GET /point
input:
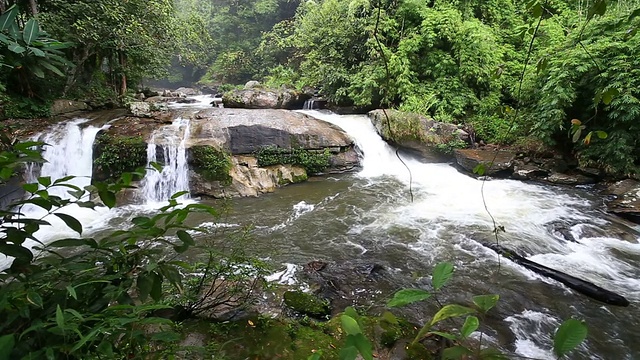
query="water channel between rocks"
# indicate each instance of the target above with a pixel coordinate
(369, 218)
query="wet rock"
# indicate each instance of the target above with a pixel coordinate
(417, 133)
(252, 84)
(495, 161)
(244, 132)
(247, 179)
(569, 179)
(140, 109)
(307, 304)
(528, 172)
(188, 91)
(62, 106)
(258, 98)
(627, 199)
(561, 229)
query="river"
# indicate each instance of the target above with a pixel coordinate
(371, 217)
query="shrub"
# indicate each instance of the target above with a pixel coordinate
(312, 161)
(213, 164)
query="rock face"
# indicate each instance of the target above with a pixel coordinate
(627, 199)
(62, 106)
(239, 152)
(258, 98)
(418, 133)
(494, 161)
(140, 109)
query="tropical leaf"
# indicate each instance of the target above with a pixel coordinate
(408, 296)
(441, 275)
(16, 48)
(569, 335)
(8, 18)
(31, 31)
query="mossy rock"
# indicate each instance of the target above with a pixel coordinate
(307, 304)
(211, 163)
(114, 155)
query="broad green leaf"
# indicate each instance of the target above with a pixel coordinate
(608, 96)
(178, 194)
(485, 302)
(8, 18)
(32, 188)
(570, 334)
(47, 65)
(449, 311)
(350, 311)
(108, 198)
(7, 342)
(480, 169)
(601, 134)
(16, 48)
(173, 275)
(350, 325)
(68, 243)
(44, 181)
(455, 353)
(599, 7)
(576, 135)
(364, 346)
(37, 52)
(185, 237)
(156, 289)
(441, 275)
(72, 292)
(59, 318)
(16, 251)
(34, 298)
(348, 353)
(408, 296)
(390, 318)
(71, 222)
(444, 335)
(470, 325)
(31, 31)
(145, 284)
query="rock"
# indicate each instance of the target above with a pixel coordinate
(417, 133)
(495, 161)
(62, 106)
(140, 96)
(561, 229)
(257, 98)
(188, 91)
(528, 172)
(140, 109)
(569, 179)
(307, 304)
(252, 84)
(627, 199)
(248, 179)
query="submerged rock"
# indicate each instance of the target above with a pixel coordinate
(427, 137)
(307, 304)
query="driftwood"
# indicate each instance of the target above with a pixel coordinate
(584, 287)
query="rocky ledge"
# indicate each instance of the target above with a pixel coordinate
(419, 134)
(233, 152)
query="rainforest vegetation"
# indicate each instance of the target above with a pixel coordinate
(561, 73)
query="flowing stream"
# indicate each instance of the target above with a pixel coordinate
(369, 217)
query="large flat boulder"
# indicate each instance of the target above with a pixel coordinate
(431, 139)
(260, 98)
(494, 161)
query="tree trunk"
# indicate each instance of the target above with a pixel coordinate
(33, 5)
(123, 78)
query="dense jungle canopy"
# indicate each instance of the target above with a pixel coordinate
(457, 61)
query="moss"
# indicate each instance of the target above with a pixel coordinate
(211, 163)
(307, 304)
(115, 155)
(313, 162)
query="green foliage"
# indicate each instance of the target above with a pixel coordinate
(115, 155)
(17, 107)
(313, 162)
(569, 335)
(212, 163)
(307, 304)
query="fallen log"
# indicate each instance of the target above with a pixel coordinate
(584, 287)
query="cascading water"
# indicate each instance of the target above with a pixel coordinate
(370, 217)
(159, 186)
(309, 104)
(68, 152)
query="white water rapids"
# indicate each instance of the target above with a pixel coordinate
(369, 215)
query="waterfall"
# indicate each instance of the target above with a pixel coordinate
(68, 152)
(309, 104)
(159, 186)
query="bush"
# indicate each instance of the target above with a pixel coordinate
(115, 155)
(213, 164)
(313, 162)
(18, 107)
